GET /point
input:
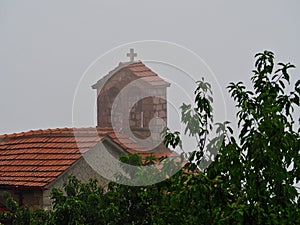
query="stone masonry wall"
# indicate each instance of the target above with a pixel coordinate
(81, 170)
(138, 116)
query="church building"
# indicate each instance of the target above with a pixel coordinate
(131, 112)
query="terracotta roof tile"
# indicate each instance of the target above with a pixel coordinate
(36, 158)
(139, 69)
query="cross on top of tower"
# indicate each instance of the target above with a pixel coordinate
(131, 55)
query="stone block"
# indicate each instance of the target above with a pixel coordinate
(162, 114)
(159, 107)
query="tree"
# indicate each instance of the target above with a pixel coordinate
(258, 171)
(269, 147)
(16, 215)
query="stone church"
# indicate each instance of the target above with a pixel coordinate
(131, 112)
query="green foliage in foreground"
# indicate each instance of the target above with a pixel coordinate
(250, 181)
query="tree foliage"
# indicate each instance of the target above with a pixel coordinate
(250, 181)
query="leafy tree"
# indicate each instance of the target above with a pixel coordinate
(79, 203)
(269, 147)
(16, 215)
(259, 170)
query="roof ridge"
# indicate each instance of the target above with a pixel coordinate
(59, 130)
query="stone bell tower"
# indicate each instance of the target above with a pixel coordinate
(132, 98)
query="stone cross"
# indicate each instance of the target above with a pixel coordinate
(131, 55)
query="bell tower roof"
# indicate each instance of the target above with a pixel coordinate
(139, 70)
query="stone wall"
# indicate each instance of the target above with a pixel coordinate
(96, 162)
(137, 117)
(106, 96)
(81, 170)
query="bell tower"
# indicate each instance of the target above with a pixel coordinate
(132, 97)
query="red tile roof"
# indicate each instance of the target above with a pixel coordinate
(36, 158)
(140, 70)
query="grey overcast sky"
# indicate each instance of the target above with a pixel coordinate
(45, 46)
